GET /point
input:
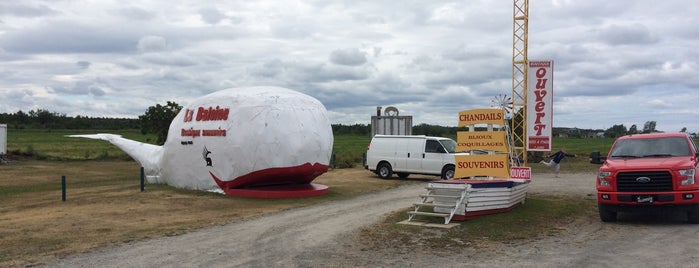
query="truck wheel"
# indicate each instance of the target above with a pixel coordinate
(448, 172)
(384, 170)
(693, 216)
(606, 215)
(403, 175)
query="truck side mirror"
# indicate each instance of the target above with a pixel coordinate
(596, 158)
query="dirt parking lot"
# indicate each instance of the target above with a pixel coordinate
(322, 236)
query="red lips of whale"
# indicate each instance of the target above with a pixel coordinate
(302, 174)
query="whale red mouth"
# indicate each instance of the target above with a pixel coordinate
(302, 174)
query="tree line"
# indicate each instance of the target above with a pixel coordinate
(621, 130)
(157, 118)
(44, 119)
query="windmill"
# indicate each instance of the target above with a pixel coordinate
(504, 102)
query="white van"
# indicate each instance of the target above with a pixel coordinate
(403, 155)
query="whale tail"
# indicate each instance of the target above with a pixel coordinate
(148, 155)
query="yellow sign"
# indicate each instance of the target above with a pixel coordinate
(481, 140)
(495, 165)
(481, 116)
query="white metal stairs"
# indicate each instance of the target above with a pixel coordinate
(450, 199)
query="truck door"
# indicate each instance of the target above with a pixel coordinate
(434, 158)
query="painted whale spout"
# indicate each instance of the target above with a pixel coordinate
(240, 139)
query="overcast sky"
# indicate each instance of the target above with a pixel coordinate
(616, 62)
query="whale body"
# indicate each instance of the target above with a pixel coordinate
(238, 138)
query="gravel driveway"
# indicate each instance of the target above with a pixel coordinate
(320, 236)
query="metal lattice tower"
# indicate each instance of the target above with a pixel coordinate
(520, 61)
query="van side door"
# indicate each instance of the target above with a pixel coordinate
(414, 150)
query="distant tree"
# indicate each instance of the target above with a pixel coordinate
(633, 129)
(615, 131)
(684, 129)
(157, 120)
(649, 127)
(356, 129)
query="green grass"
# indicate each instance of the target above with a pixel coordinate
(349, 150)
(54, 145)
(582, 146)
(540, 216)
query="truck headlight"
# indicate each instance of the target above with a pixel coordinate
(603, 177)
(689, 173)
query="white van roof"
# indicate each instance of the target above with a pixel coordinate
(409, 136)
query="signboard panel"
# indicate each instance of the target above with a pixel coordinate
(481, 116)
(539, 105)
(523, 173)
(481, 140)
(495, 165)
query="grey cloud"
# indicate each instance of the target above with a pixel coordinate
(309, 72)
(97, 91)
(268, 69)
(293, 28)
(83, 64)
(69, 37)
(169, 59)
(350, 57)
(152, 43)
(211, 15)
(137, 13)
(20, 9)
(626, 35)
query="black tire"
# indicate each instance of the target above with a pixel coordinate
(384, 170)
(606, 215)
(448, 172)
(693, 216)
(403, 175)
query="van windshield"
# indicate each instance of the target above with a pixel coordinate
(449, 144)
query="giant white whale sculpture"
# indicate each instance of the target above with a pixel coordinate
(253, 141)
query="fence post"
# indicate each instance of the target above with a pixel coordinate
(63, 188)
(143, 176)
(333, 161)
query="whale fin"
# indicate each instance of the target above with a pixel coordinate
(148, 155)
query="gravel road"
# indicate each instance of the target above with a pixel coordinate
(320, 236)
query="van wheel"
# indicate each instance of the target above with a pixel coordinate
(605, 214)
(384, 170)
(448, 172)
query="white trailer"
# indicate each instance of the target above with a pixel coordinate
(3, 139)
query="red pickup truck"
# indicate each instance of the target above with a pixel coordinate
(647, 172)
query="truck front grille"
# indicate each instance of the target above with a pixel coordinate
(658, 181)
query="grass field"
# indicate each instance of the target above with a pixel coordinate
(55, 145)
(348, 150)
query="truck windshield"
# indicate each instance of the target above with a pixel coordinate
(656, 147)
(449, 144)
